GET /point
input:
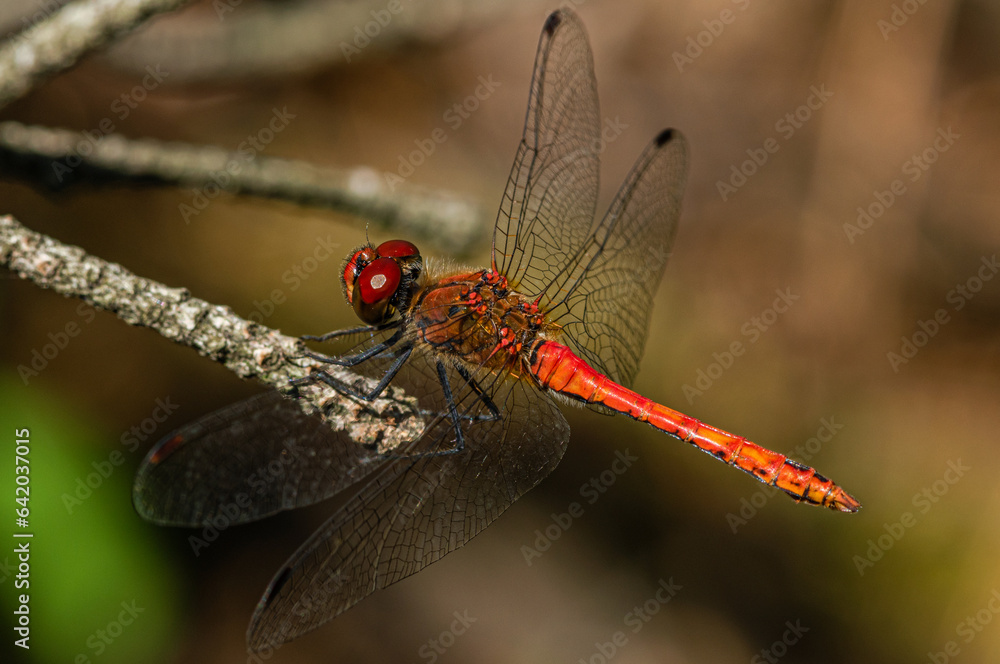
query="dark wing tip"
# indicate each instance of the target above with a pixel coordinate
(275, 587)
(553, 21)
(259, 637)
(664, 137)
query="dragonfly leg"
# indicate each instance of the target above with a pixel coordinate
(357, 358)
(492, 416)
(485, 398)
(452, 414)
(452, 409)
(351, 330)
(351, 391)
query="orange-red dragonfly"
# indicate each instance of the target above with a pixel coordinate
(562, 311)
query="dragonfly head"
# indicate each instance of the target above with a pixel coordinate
(378, 281)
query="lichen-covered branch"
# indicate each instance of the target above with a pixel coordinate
(247, 349)
(57, 42)
(58, 158)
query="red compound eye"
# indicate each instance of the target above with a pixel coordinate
(397, 249)
(379, 280)
(361, 257)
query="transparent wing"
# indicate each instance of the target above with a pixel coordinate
(603, 296)
(595, 279)
(257, 457)
(416, 501)
(547, 210)
(245, 462)
(415, 510)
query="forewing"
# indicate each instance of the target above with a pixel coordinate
(547, 210)
(604, 295)
(415, 510)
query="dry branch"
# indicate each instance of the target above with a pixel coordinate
(237, 38)
(57, 42)
(248, 349)
(58, 158)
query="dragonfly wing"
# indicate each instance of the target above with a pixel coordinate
(595, 279)
(415, 510)
(604, 297)
(250, 460)
(547, 209)
(245, 462)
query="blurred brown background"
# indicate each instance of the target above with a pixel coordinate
(900, 91)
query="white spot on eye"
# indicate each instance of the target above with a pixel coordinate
(378, 281)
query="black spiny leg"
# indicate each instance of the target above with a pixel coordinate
(485, 398)
(492, 416)
(351, 330)
(456, 418)
(357, 358)
(452, 409)
(349, 390)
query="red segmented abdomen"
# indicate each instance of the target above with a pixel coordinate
(557, 368)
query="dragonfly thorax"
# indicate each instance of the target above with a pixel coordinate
(478, 318)
(379, 281)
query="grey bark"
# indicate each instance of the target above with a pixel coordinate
(248, 349)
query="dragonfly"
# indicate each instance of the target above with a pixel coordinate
(560, 315)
